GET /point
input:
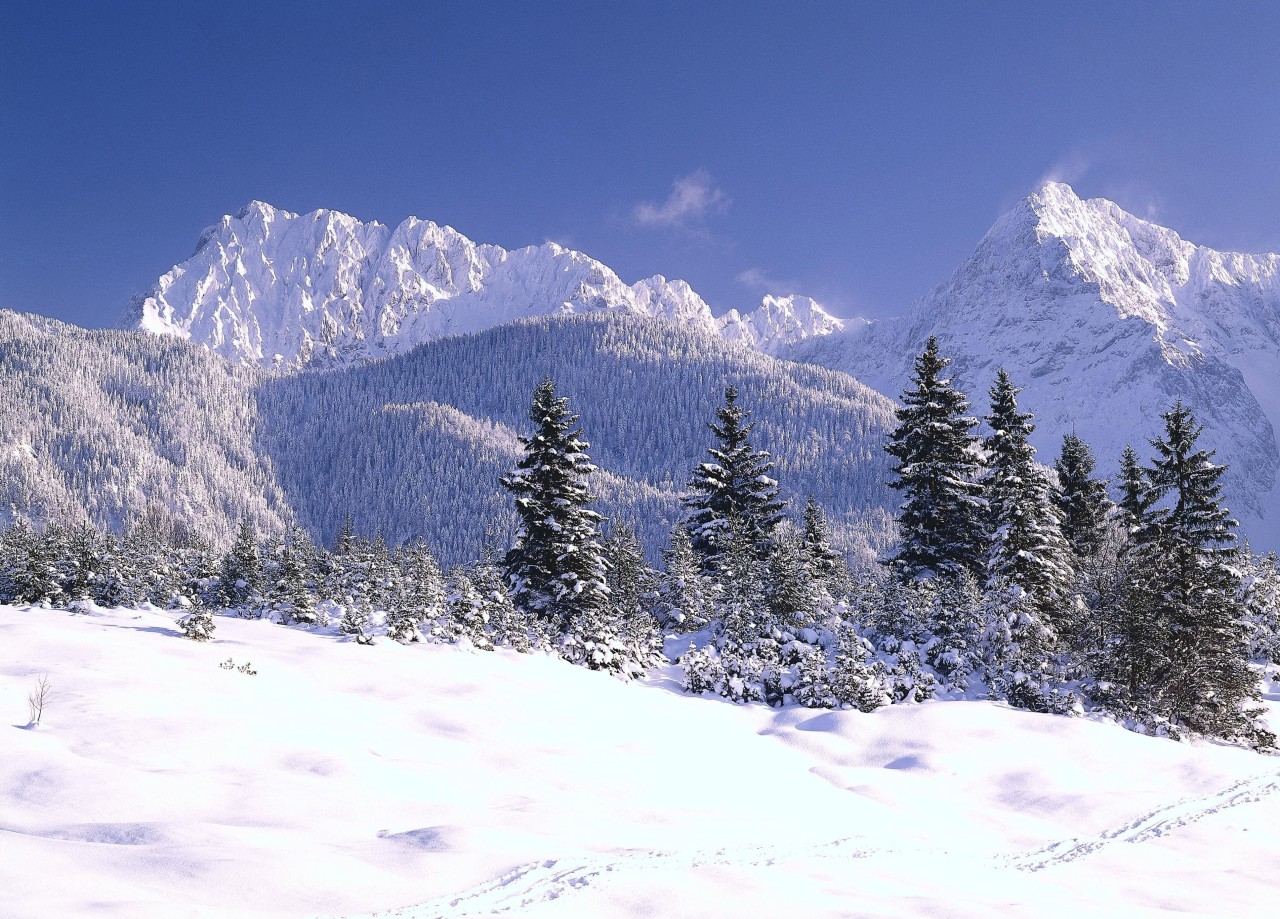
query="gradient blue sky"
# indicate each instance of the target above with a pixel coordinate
(851, 151)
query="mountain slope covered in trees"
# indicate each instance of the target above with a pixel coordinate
(113, 425)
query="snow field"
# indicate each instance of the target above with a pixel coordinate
(428, 780)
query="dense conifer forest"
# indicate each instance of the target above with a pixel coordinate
(1042, 586)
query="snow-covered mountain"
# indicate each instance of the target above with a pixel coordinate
(274, 288)
(1105, 319)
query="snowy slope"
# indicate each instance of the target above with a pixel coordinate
(271, 287)
(429, 781)
(1106, 319)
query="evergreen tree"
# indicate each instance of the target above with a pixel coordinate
(467, 616)
(826, 562)
(197, 624)
(241, 568)
(857, 680)
(1027, 547)
(685, 595)
(78, 565)
(1210, 687)
(556, 568)
(20, 581)
(733, 489)
(793, 592)
(294, 579)
(1081, 499)
(633, 597)
(420, 599)
(357, 617)
(1135, 634)
(940, 517)
(508, 626)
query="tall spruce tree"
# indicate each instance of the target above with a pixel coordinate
(940, 518)
(1210, 687)
(1027, 549)
(734, 489)
(1081, 499)
(556, 569)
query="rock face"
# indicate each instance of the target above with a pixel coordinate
(1106, 320)
(278, 289)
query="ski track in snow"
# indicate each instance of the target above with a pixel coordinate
(549, 879)
(1159, 822)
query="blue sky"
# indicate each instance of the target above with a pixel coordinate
(851, 151)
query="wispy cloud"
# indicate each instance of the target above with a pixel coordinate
(757, 280)
(693, 197)
(1069, 168)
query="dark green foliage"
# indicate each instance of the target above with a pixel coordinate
(241, 569)
(940, 516)
(1027, 549)
(734, 490)
(685, 594)
(1081, 499)
(1209, 687)
(825, 561)
(556, 570)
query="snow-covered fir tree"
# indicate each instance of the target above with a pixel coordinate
(556, 569)
(940, 518)
(734, 489)
(241, 569)
(1081, 499)
(197, 624)
(858, 680)
(826, 562)
(1134, 641)
(1027, 549)
(685, 595)
(633, 598)
(1210, 687)
(467, 617)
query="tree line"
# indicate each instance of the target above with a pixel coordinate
(1008, 581)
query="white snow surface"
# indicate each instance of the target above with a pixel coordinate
(1106, 320)
(432, 781)
(270, 287)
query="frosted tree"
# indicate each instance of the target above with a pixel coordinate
(30, 559)
(940, 516)
(556, 569)
(293, 588)
(793, 590)
(198, 623)
(1081, 499)
(827, 563)
(685, 594)
(734, 489)
(1019, 652)
(1210, 687)
(357, 618)
(633, 597)
(466, 612)
(1135, 639)
(78, 566)
(419, 600)
(857, 680)
(241, 569)
(1027, 548)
